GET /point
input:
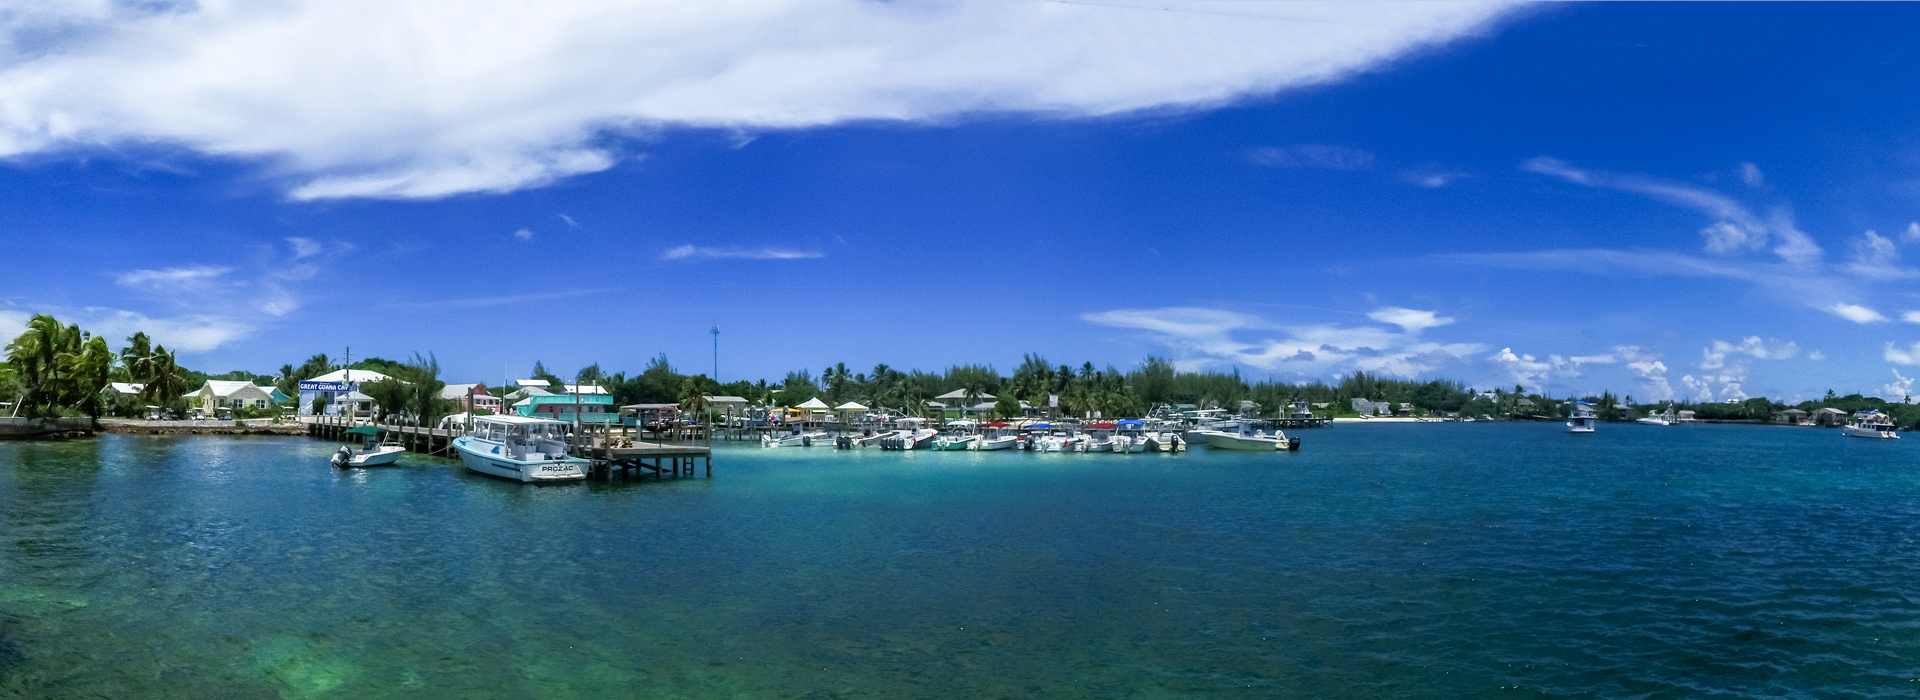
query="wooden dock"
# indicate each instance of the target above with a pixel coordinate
(611, 453)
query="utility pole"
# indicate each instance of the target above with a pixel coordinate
(716, 353)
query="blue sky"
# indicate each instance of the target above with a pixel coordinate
(1667, 200)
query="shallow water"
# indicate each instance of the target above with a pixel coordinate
(1380, 561)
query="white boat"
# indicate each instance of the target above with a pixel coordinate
(1162, 437)
(997, 437)
(1583, 418)
(910, 436)
(528, 450)
(1100, 437)
(375, 451)
(1661, 418)
(1247, 438)
(1871, 424)
(792, 438)
(1131, 436)
(960, 436)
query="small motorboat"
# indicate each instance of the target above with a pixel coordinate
(375, 450)
(997, 437)
(1100, 437)
(961, 435)
(910, 436)
(1871, 424)
(1131, 436)
(792, 438)
(1247, 438)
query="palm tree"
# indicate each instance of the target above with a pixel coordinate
(424, 398)
(166, 381)
(137, 357)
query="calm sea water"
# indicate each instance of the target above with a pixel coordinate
(1381, 561)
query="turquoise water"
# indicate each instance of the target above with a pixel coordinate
(1380, 561)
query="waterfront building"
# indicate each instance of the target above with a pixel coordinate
(592, 407)
(337, 388)
(482, 398)
(220, 394)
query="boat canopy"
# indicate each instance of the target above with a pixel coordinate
(1130, 421)
(1039, 425)
(368, 430)
(1581, 403)
(997, 425)
(1100, 426)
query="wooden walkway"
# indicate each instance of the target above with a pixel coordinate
(609, 453)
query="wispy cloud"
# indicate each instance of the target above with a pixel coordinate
(1203, 337)
(524, 234)
(176, 279)
(692, 252)
(1312, 156)
(522, 94)
(1734, 227)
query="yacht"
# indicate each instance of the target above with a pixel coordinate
(1661, 418)
(1582, 419)
(1871, 424)
(997, 437)
(961, 435)
(528, 450)
(375, 450)
(1246, 437)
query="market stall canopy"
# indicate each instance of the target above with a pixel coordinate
(850, 406)
(814, 404)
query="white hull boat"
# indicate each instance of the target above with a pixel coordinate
(791, 440)
(1003, 442)
(527, 450)
(1871, 424)
(1583, 418)
(1247, 439)
(378, 456)
(375, 451)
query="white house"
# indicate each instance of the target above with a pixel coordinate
(232, 394)
(481, 398)
(115, 390)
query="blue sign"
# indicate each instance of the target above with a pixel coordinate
(324, 386)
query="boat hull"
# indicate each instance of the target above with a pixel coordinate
(1877, 434)
(377, 457)
(1245, 443)
(955, 444)
(1005, 443)
(526, 472)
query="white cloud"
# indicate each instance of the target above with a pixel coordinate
(364, 98)
(1715, 356)
(1856, 313)
(1878, 258)
(569, 220)
(1817, 356)
(1410, 320)
(1312, 156)
(1202, 337)
(524, 234)
(1735, 229)
(688, 252)
(304, 247)
(1910, 316)
(1524, 369)
(188, 334)
(1903, 356)
(1649, 370)
(1899, 389)
(1432, 180)
(1750, 174)
(175, 278)
(1912, 233)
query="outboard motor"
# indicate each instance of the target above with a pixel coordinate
(343, 458)
(1293, 444)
